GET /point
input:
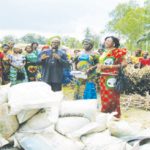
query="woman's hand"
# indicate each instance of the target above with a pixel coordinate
(101, 67)
(91, 69)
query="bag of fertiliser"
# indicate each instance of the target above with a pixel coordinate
(32, 95)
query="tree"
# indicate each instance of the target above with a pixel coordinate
(92, 36)
(88, 33)
(96, 39)
(128, 20)
(8, 38)
(32, 37)
(71, 42)
(50, 39)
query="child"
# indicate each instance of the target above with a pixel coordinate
(17, 67)
(31, 63)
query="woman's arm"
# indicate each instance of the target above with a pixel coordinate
(123, 64)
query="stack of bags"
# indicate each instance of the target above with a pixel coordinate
(32, 117)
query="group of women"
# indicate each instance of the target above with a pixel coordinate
(107, 65)
(140, 59)
(16, 67)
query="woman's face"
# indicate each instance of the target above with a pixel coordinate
(28, 49)
(87, 46)
(20, 51)
(5, 49)
(109, 43)
(11, 44)
(137, 53)
(145, 55)
(16, 50)
(35, 46)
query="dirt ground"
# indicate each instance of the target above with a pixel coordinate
(137, 115)
(132, 115)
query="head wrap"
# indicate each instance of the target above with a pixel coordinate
(45, 47)
(89, 41)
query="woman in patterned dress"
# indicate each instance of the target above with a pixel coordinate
(110, 62)
(31, 63)
(17, 67)
(1, 66)
(86, 88)
(6, 64)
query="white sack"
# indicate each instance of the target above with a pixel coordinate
(8, 123)
(87, 129)
(52, 141)
(3, 142)
(101, 119)
(66, 125)
(80, 108)
(41, 122)
(144, 132)
(103, 141)
(123, 128)
(32, 95)
(4, 93)
(25, 115)
(98, 126)
(145, 147)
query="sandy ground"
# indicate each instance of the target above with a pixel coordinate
(129, 114)
(137, 116)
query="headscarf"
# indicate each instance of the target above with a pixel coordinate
(88, 40)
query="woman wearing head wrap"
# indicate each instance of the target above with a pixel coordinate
(86, 88)
(110, 62)
(17, 67)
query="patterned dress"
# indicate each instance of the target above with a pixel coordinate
(17, 61)
(1, 67)
(86, 88)
(31, 66)
(110, 98)
(6, 68)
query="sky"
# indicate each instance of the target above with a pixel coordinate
(55, 17)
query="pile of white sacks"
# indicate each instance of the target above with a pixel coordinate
(32, 117)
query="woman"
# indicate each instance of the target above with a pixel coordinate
(1, 67)
(17, 68)
(86, 88)
(34, 47)
(110, 62)
(145, 61)
(31, 63)
(136, 58)
(6, 64)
